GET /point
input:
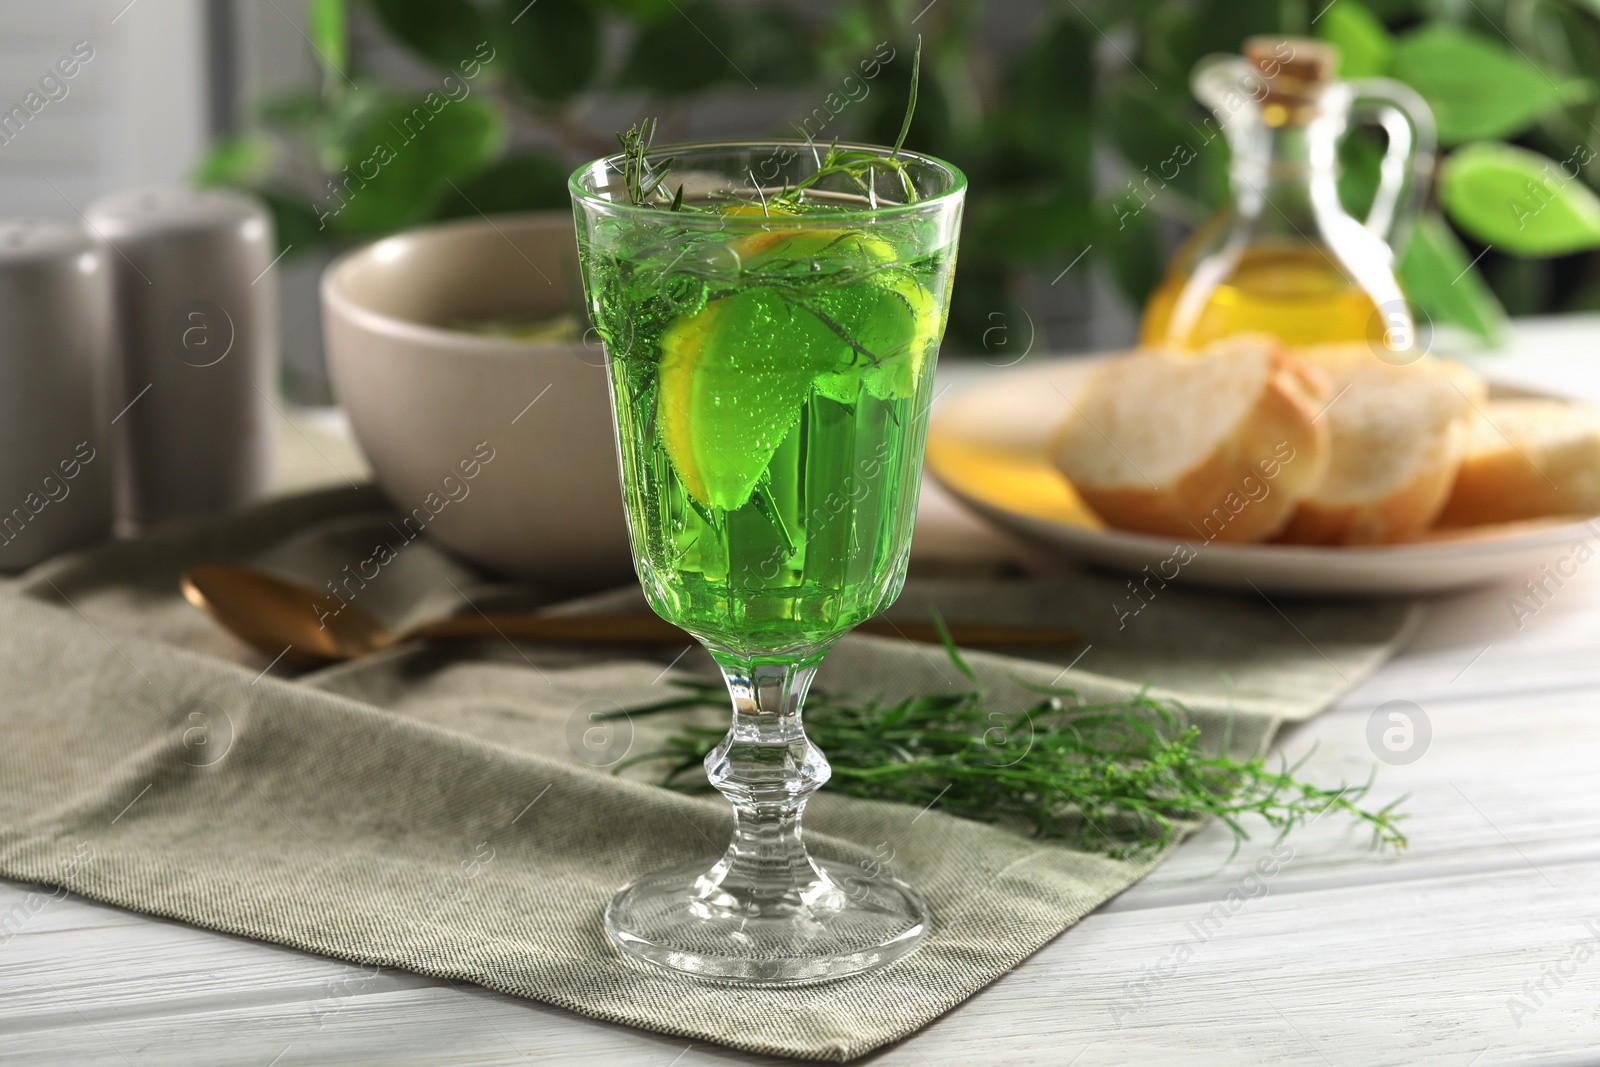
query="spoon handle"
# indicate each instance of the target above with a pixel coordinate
(635, 629)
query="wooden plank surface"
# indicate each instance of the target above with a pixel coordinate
(1480, 945)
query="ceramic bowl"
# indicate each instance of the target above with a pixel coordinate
(500, 449)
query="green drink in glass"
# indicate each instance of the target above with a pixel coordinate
(770, 333)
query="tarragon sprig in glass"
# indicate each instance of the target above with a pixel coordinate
(642, 178)
(862, 168)
(645, 180)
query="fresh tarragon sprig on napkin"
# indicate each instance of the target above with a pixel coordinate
(1117, 778)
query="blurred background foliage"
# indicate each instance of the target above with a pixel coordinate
(1052, 107)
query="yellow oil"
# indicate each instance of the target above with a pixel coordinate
(1293, 292)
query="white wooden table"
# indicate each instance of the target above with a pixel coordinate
(1478, 946)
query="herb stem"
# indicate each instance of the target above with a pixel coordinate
(911, 100)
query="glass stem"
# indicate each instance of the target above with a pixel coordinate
(767, 769)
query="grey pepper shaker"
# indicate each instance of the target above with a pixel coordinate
(195, 364)
(55, 476)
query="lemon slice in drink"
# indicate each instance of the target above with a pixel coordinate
(731, 382)
(734, 376)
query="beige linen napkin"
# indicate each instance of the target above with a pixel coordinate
(449, 810)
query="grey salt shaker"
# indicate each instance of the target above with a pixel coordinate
(195, 366)
(55, 475)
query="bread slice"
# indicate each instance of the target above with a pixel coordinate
(1215, 446)
(1397, 435)
(1526, 459)
(1339, 359)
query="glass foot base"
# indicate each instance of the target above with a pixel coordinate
(695, 920)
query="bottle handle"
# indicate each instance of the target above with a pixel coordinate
(1407, 163)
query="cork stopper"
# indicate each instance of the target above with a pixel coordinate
(1295, 68)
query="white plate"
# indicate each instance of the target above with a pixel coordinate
(987, 446)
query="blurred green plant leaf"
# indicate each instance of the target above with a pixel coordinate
(1360, 164)
(850, 35)
(405, 155)
(773, 42)
(239, 161)
(640, 12)
(325, 28)
(1591, 6)
(285, 111)
(1021, 227)
(1223, 25)
(676, 56)
(1165, 46)
(1439, 278)
(1477, 87)
(448, 32)
(1395, 10)
(531, 181)
(1153, 135)
(294, 221)
(554, 45)
(1129, 247)
(1571, 31)
(1365, 44)
(1025, 123)
(345, 119)
(1519, 201)
(1174, 34)
(1050, 118)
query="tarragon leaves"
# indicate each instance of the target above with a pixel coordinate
(1118, 777)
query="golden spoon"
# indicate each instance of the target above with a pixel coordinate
(310, 628)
